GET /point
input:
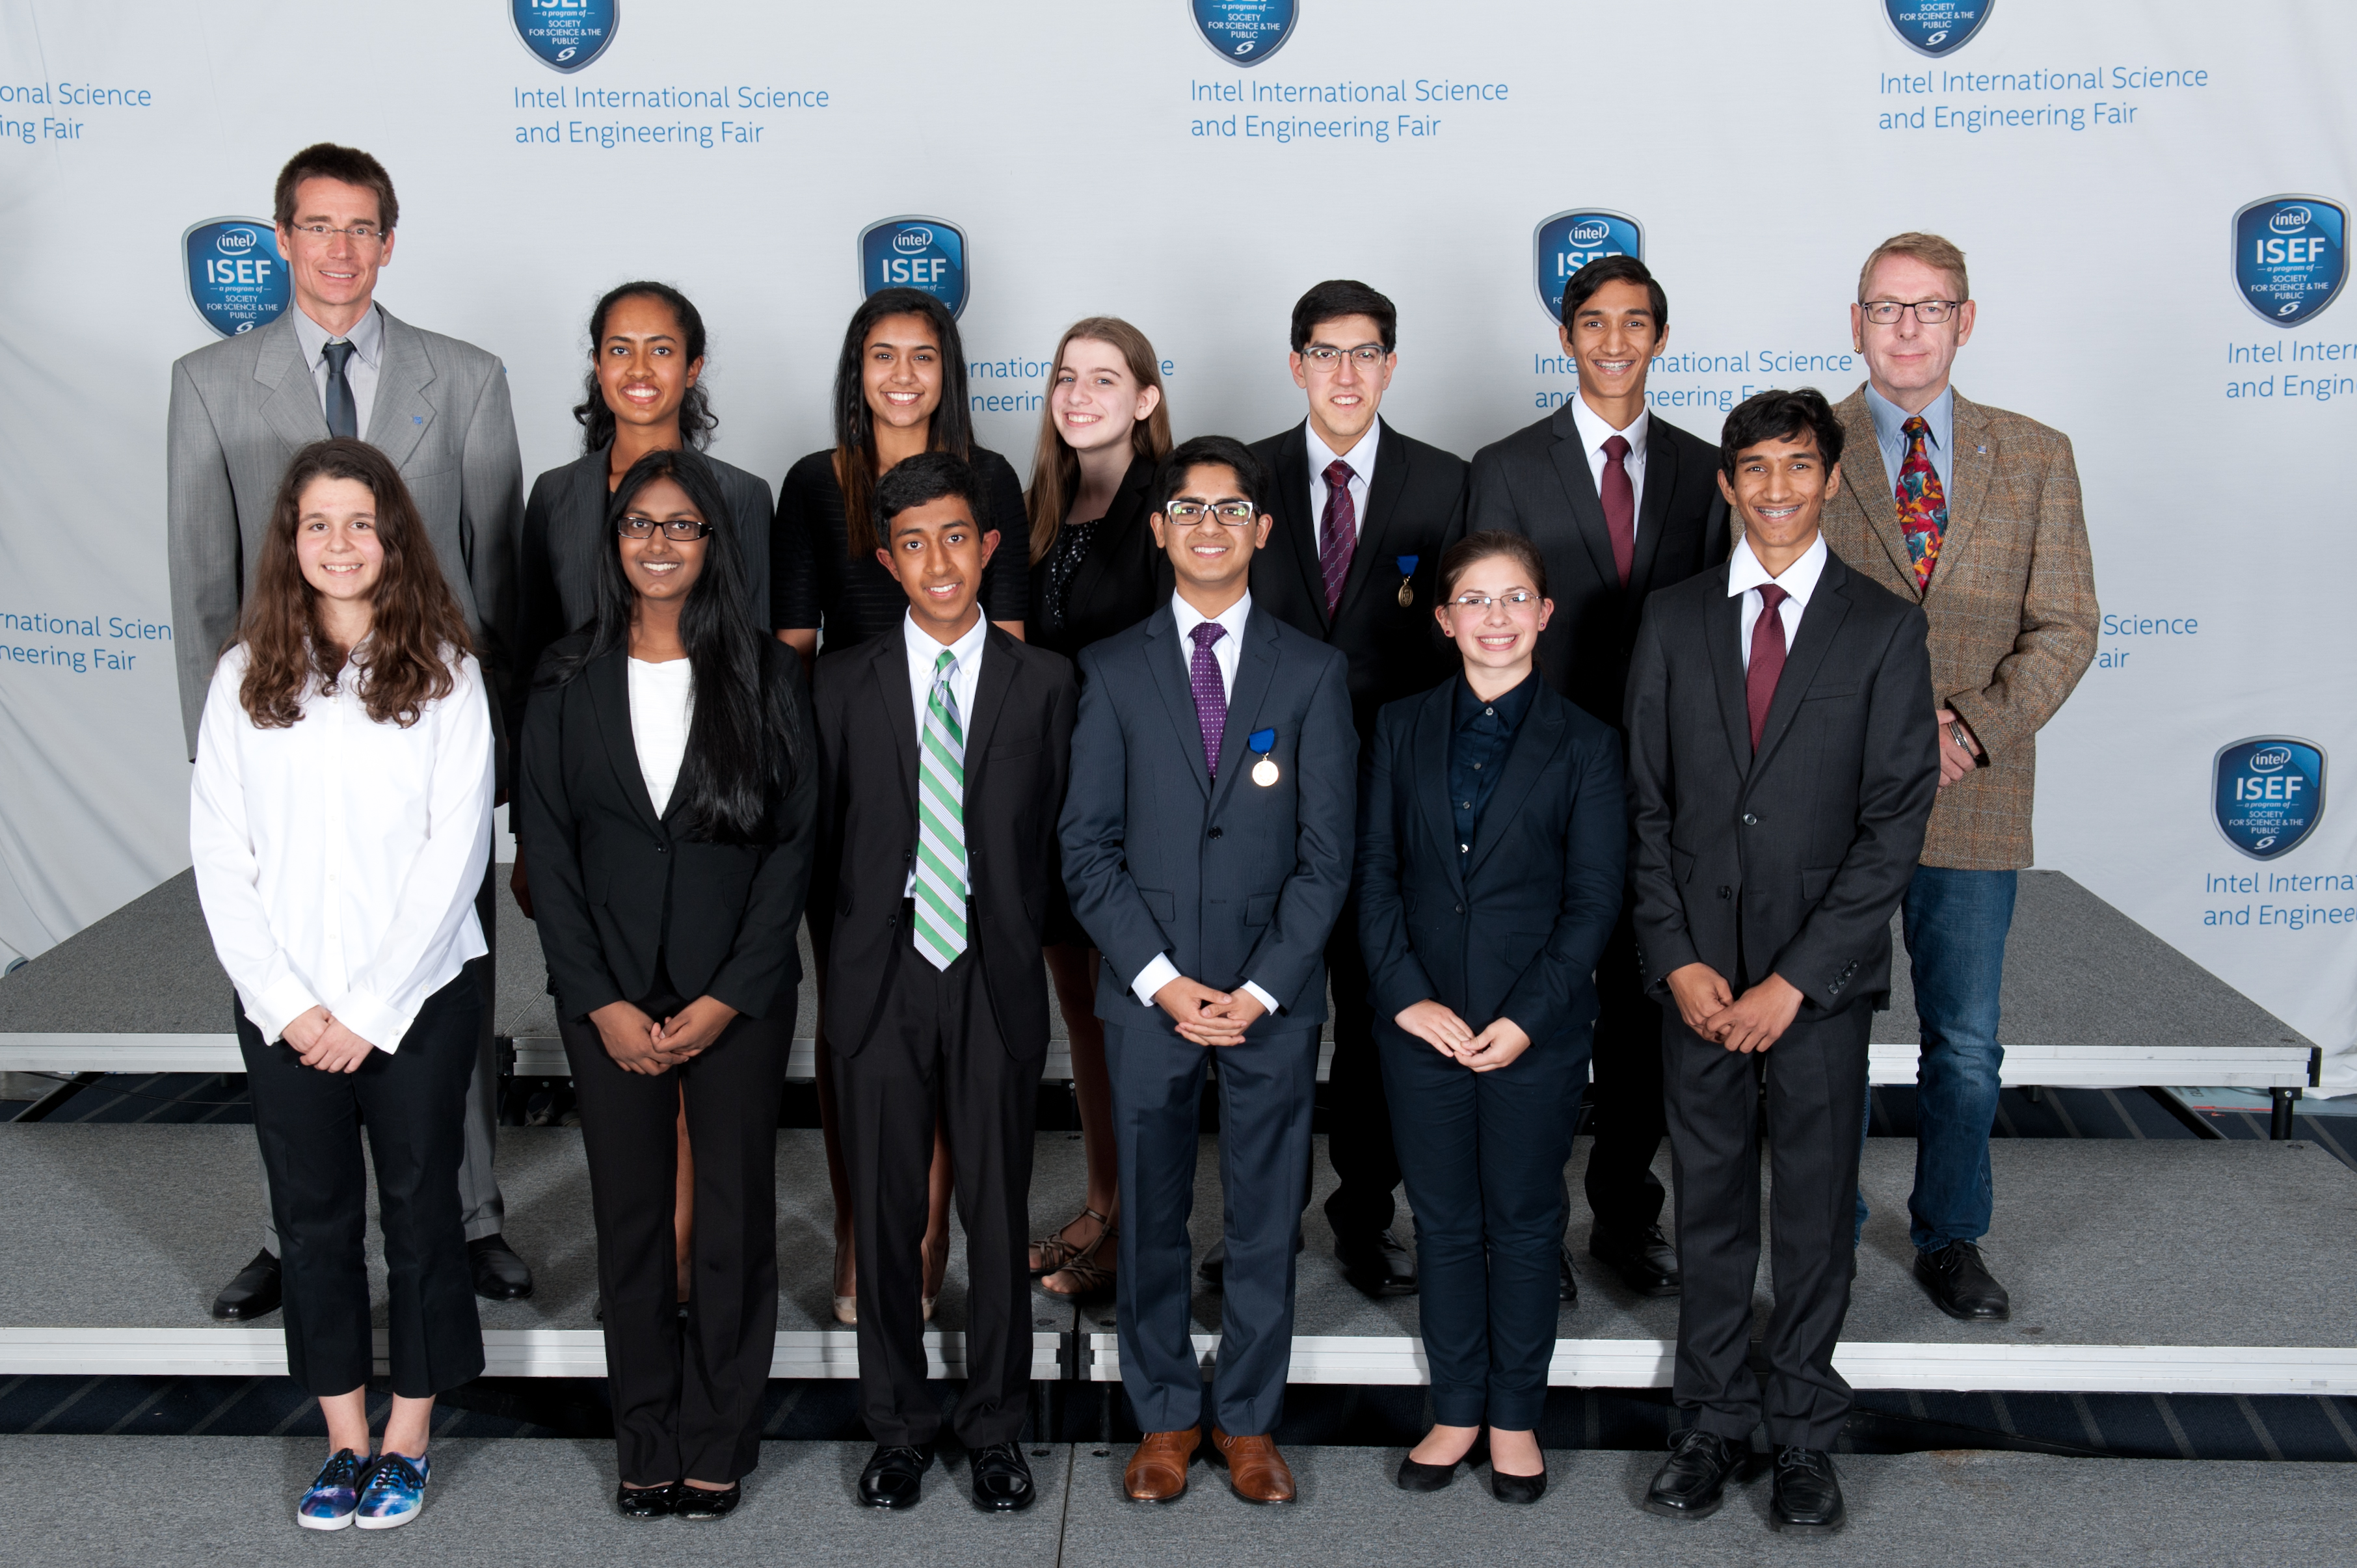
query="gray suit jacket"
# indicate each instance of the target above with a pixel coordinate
(242, 407)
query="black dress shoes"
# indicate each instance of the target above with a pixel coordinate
(1808, 1499)
(1645, 1260)
(894, 1477)
(648, 1503)
(1376, 1262)
(1002, 1478)
(1692, 1482)
(1419, 1478)
(698, 1502)
(1958, 1282)
(253, 1293)
(499, 1274)
(1522, 1489)
(1569, 1287)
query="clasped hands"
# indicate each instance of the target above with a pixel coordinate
(1753, 1022)
(1206, 1016)
(639, 1044)
(1485, 1050)
(320, 1040)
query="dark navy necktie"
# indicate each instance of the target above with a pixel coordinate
(343, 412)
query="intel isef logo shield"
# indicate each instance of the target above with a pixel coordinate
(235, 277)
(2292, 256)
(915, 252)
(1936, 27)
(2269, 794)
(565, 35)
(1569, 240)
(1244, 32)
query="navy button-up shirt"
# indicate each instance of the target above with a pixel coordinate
(1482, 735)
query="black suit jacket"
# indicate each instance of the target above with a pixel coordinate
(1120, 582)
(1536, 483)
(1415, 506)
(564, 530)
(1793, 860)
(1018, 757)
(1234, 880)
(613, 886)
(1512, 930)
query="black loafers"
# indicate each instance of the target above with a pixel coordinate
(1808, 1499)
(1646, 1261)
(1376, 1262)
(647, 1502)
(253, 1293)
(1568, 1287)
(499, 1274)
(1414, 1477)
(696, 1502)
(1691, 1483)
(1524, 1489)
(1002, 1478)
(895, 1476)
(1960, 1284)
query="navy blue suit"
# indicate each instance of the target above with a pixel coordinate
(1508, 926)
(1235, 881)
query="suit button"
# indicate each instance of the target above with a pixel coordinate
(659, 849)
(1750, 820)
(1726, 892)
(1460, 908)
(1217, 832)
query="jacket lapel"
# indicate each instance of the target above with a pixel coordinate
(990, 688)
(1296, 531)
(1723, 629)
(293, 407)
(1820, 624)
(1867, 487)
(890, 668)
(609, 699)
(1579, 488)
(1534, 748)
(1127, 512)
(1382, 505)
(1653, 513)
(1974, 458)
(1256, 666)
(400, 414)
(1166, 667)
(1430, 757)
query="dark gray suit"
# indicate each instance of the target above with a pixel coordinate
(1235, 881)
(1788, 862)
(241, 409)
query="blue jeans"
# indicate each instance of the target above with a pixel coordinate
(1955, 923)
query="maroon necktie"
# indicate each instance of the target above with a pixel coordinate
(1620, 507)
(1766, 659)
(1338, 531)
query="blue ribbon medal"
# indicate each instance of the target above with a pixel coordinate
(1263, 742)
(1407, 572)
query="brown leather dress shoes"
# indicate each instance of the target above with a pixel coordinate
(1157, 1471)
(1256, 1471)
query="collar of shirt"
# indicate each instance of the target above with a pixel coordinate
(1889, 435)
(1594, 433)
(1744, 575)
(924, 652)
(367, 339)
(1361, 460)
(1508, 708)
(1227, 651)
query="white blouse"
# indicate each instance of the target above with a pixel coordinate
(338, 860)
(662, 701)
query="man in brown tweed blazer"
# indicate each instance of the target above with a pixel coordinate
(1978, 519)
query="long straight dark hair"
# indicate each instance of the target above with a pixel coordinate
(746, 742)
(697, 420)
(951, 429)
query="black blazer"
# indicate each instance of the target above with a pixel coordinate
(1234, 880)
(1514, 928)
(1120, 582)
(1794, 860)
(565, 529)
(614, 886)
(1415, 506)
(1018, 757)
(1536, 483)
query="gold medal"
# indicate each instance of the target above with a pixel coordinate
(1265, 772)
(1406, 594)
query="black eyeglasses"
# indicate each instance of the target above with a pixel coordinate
(678, 531)
(1930, 312)
(1325, 355)
(1235, 514)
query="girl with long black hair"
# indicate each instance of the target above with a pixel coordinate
(668, 803)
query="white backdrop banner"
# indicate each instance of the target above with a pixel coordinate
(2153, 200)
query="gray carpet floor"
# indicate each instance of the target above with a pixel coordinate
(525, 1504)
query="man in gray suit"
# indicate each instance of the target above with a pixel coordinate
(339, 364)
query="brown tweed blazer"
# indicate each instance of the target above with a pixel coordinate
(2012, 606)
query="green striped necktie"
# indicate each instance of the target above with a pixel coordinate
(940, 823)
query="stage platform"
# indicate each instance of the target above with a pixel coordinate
(529, 1503)
(2181, 1268)
(2090, 999)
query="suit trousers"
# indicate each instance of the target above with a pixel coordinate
(1358, 1118)
(1623, 1193)
(1267, 1093)
(481, 1206)
(1483, 1154)
(687, 1393)
(1814, 1078)
(310, 1124)
(935, 1052)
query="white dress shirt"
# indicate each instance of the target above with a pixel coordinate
(1361, 460)
(338, 860)
(1227, 652)
(367, 339)
(924, 652)
(1593, 432)
(663, 703)
(1744, 575)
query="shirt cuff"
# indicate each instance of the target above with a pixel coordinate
(276, 1007)
(372, 1020)
(1267, 1003)
(1152, 978)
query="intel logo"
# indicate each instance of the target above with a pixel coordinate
(1589, 233)
(909, 242)
(2268, 762)
(2290, 221)
(236, 241)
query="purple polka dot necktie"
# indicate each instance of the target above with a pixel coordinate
(1210, 696)
(1338, 531)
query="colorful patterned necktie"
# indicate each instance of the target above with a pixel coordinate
(1210, 694)
(1338, 531)
(940, 890)
(1922, 504)
(1766, 659)
(1619, 499)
